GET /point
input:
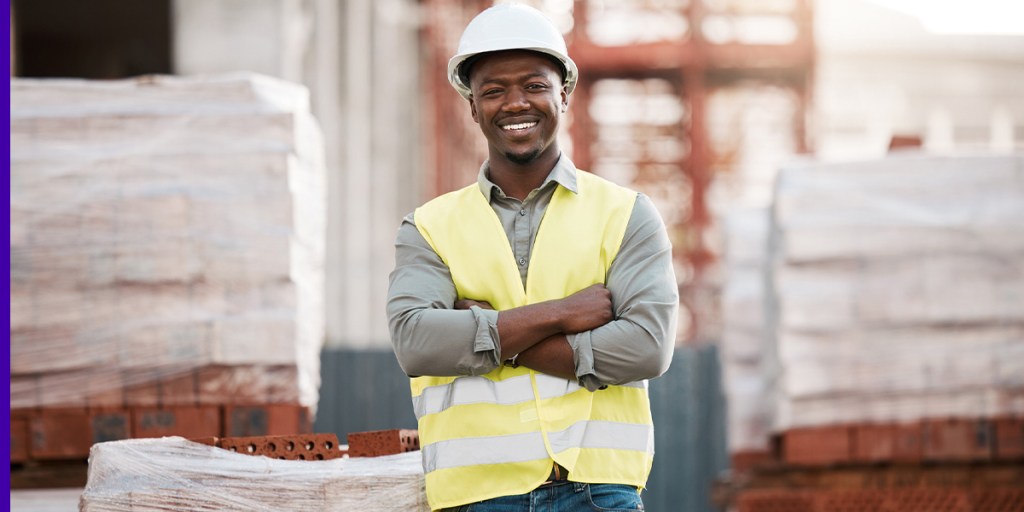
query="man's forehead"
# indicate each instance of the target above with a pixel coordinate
(496, 61)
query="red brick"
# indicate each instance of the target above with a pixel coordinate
(817, 446)
(188, 422)
(60, 433)
(281, 384)
(220, 385)
(110, 425)
(24, 391)
(141, 388)
(887, 443)
(929, 499)
(63, 389)
(1009, 433)
(296, 447)
(904, 141)
(104, 389)
(382, 442)
(851, 500)
(746, 460)
(997, 500)
(957, 440)
(773, 500)
(23, 412)
(178, 389)
(19, 439)
(266, 420)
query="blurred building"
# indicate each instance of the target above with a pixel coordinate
(882, 73)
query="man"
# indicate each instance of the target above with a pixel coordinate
(530, 308)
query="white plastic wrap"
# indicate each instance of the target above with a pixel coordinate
(163, 230)
(173, 473)
(897, 290)
(745, 328)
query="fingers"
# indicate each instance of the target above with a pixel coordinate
(468, 303)
(587, 309)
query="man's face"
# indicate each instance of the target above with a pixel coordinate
(517, 101)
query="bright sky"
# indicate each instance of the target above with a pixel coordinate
(996, 17)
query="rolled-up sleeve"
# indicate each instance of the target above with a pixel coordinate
(428, 335)
(639, 343)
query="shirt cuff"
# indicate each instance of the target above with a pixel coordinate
(583, 358)
(486, 339)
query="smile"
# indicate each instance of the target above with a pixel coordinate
(518, 126)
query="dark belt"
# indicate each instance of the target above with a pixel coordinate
(558, 474)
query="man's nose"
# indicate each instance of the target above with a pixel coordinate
(516, 101)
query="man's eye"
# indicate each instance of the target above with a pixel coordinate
(491, 92)
(536, 86)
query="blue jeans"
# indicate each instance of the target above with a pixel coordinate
(563, 497)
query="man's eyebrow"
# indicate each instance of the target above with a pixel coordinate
(502, 81)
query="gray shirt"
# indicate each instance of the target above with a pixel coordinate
(432, 338)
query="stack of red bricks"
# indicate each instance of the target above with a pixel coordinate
(950, 465)
(893, 340)
(930, 499)
(67, 433)
(167, 239)
(930, 441)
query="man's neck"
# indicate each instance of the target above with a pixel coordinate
(517, 180)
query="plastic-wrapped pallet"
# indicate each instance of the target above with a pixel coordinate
(745, 328)
(897, 290)
(167, 238)
(173, 473)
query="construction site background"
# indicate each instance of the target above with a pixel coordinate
(872, 286)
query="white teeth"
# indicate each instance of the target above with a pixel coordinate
(520, 126)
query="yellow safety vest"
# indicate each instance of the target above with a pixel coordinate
(498, 434)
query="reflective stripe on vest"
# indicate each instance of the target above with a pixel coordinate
(502, 431)
(481, 390)
(530, 446)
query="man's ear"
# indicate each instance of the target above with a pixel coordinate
(472, 110)
(565, 98)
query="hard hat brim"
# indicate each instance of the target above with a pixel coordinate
(456, 62)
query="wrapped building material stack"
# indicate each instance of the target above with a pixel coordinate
(745, 333)
(895, 356)
(898, 289)
(176, 474)
(167, 242)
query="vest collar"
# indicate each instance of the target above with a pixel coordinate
(564, 173)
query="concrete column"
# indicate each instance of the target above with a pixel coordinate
(380, 180)
(357, 302)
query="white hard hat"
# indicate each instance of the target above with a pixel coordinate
(510, 27)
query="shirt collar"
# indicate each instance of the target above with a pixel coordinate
(564, 173)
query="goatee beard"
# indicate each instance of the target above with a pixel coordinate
(522, 158)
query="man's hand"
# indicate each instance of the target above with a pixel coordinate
(521, 328)
(468, 303)
(586, 309)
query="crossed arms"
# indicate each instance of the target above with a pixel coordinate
(620, 332)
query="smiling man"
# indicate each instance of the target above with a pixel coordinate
(531, 307)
